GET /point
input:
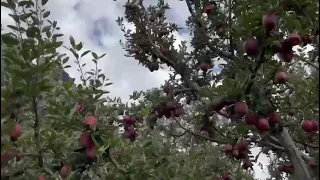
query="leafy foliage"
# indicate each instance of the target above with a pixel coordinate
(60, 130)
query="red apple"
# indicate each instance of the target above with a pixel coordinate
(276, 47)
(287, 56)
(204, 66)
(294, 39)
(91, 121)
(247, 164)
(42, 178)
(307, 126)
(242, 145)
(313, 164)
(65, 171)
(281, 77)
(90, 152)
(86, 140)
(235, 152)
(16, 132)
(228, 148)
(251, 118)
(7, 156)
(208, 9)
(291, 112)
(274, 118)
(164, 51)
(225, 176)
(262, 125)
(241, 108)
(315, 125)
(251, 47)
(270, 22)
(80, 108)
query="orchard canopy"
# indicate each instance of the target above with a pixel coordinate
(200, 124)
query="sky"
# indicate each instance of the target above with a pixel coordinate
(93, 23)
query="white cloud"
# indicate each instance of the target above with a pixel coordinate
(79, 18)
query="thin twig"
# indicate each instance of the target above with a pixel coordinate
(36, 128)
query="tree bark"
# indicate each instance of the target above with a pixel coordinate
(300, 168)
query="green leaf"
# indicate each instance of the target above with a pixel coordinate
(85, 53)
(108, 84)
(13, 27)
(94, 55)
(46, 14)
(25, 3)
(67, 66)
(72, 42)
(46, 28)
(102, 55)
(44, 2)
(32, 31)
(79, 46)
(4, 4)
(9, 39)
(57, 35)
(65, 60)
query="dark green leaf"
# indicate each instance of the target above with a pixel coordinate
(67, 66)
(46, 14)
(79, 46)
(9, 39)
(26, 3)
(57, 35)
(44, 2)
(72, 42)
(102, 55)
(46, 28)
(94, 55)
(85, 53)
(13, 27)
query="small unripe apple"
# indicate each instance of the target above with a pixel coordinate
(294, 39)
(65, 171)
(16, 132)
(269, 22)
(91, 122)
(204, 66)
(262, 125)
(241, 108)
(307, 126)
(251, 118)
(281, 77)
(274, 118)
(251, 47)
(208, 9)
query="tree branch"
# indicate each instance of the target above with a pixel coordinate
(36, 128)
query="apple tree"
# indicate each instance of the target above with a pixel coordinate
(52, 128)
(266, 92)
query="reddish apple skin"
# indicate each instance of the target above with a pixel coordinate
(7, 156)
(276, 47)
(294, 39)
(208, 9)
(251, 47)
(241, 108)
(274, 118)
(86, 140)
(80, 108)
(247, 164)
(228, 148)
(204, 66)
(65, 171)
(315, 125)
(242, 145)
(42, 178)
(164, 51)
(286, 56)
(226, 176)
(91, 121)
(16, 132)
(90, 152)
(221, 31)
(251, 118)
(269, 22)
(281, 77)
(262, 125)
(307, 126)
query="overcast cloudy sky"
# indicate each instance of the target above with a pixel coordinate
(93, 23)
